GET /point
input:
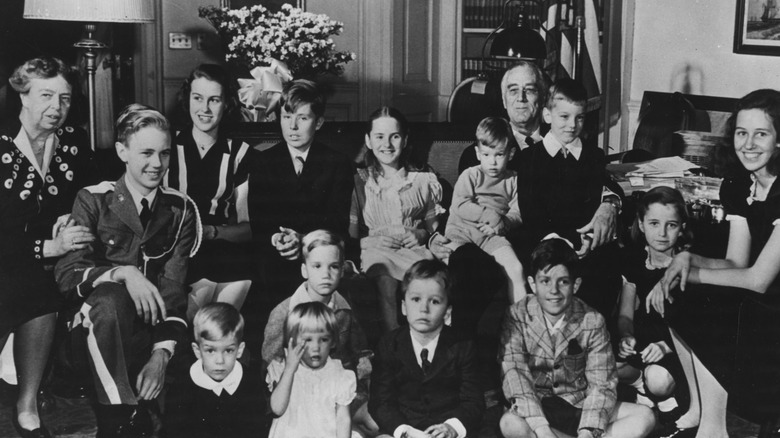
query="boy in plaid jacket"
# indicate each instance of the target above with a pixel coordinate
(558, 369)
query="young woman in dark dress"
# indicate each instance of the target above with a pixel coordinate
(43, 163)
(721, 296)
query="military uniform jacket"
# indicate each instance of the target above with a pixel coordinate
(161, 250)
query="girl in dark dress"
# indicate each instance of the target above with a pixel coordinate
(705, 332)
(212, 169)
(42, 165)
(645, 358)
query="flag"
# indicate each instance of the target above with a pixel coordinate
(560, 33)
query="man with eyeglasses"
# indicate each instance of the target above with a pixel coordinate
(476, 277)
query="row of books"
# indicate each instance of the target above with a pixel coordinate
(489, 14)
(492, 68)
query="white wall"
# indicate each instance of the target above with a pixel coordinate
(687, 46)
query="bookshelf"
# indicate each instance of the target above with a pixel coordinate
(478, 18)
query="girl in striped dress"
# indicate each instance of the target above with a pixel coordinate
(395, 208)
(211, 168)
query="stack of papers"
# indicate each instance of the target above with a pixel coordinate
(667, 167)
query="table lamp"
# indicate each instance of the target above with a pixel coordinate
(91, 12)
(514, 38)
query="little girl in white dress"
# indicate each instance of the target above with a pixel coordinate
(310, 392)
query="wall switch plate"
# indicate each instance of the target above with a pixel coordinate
(179, 41)
(200, 41)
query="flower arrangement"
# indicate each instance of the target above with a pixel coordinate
(256, 37)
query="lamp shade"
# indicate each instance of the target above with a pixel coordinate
(518, 42)
(114, 11)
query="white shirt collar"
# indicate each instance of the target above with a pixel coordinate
(137, 196)
(536, 136)
(229, 383)
(297, 153)
(553, 145)
(301, 295)
(557, 326)
(418, 347)
(22, 142)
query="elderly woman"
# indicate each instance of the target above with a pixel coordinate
(42, 165)
(211, 168)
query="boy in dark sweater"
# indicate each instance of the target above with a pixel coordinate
(561, 187)
(217, 398)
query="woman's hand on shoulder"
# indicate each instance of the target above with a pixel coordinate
(676, 273)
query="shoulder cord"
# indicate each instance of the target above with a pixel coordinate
(198, 234)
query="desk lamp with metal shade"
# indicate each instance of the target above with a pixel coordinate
(91, 12)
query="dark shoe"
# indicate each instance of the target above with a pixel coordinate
(140, 424)
(40, 432)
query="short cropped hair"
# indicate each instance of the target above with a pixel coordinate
(301, 92)
(214, 321)
(554, 252)
(319, 238)
(311, 317)
(495, 132)
(41, 68)
(428, 269)
(567, 90)
(135, 117)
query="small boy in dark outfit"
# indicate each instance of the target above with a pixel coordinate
(426, 381)
(217, 398)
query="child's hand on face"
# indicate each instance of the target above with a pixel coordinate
(293, 356)
(655, 352)
(627, 344)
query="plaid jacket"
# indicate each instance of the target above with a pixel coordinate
(575, 363)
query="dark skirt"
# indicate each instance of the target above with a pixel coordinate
(26, 292)
(221, 261)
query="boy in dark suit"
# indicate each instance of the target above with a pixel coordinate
(295, 187)
(425, 380)
(130, 281)
(557, 362)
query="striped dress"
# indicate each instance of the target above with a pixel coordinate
(218, 183)
(391, 207)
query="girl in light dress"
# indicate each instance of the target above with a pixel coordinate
(395, 208)
(311, 392)
(725, 331)
(645, 359)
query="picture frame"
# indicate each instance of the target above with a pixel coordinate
(757, 21)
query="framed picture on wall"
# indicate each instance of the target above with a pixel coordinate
(757, 27)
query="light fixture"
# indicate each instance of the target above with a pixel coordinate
(514, 38)
(91, 12)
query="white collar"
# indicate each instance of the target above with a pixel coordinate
(297, 153)
(649, 261)
(229, 383)
(752, 197)
(137, 196)
(430, 346)
(536, 136)
(301, 295)
(22, 142)
(553, 145)
(557, 326)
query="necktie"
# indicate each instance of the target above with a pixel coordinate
(529, 141)
(426, 364)
(298, 162)
(146, 212)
